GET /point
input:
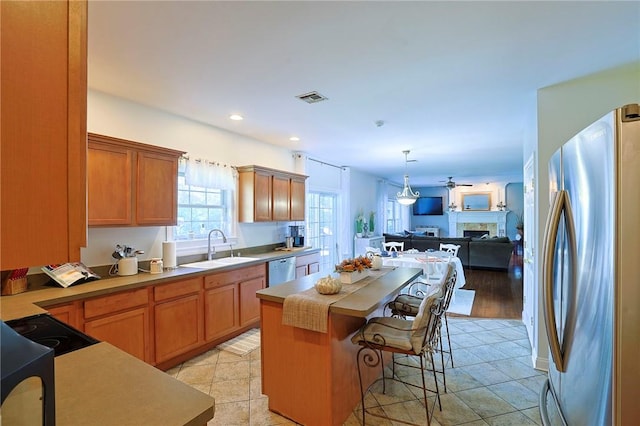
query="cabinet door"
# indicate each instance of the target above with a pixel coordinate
(43, 132)
(262, 196)
(127, 330)
(301, 271)
(109, 179)
(221, 311)
(298, 198)
(68, 314)
(314, 267)
(178, 326)
(281, 197)
(156, 189)
(249, 303)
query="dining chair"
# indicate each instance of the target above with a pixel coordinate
(408, 304)
(414, 338)
(393, 246)
(450, 248)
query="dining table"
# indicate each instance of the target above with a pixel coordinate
(433, 264)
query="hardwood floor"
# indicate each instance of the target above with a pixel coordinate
(498, 293)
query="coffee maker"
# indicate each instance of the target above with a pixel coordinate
(297, 233)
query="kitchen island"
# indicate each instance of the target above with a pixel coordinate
(311, 377)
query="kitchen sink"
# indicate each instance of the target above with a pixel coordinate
(236, 259)
(219, 263)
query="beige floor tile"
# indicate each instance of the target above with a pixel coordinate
(510, 419)
(485, 403)
(515, 394)
(209, 357)
(533, 414)
(261, 416)
(231, 414)
(232, 370)
(493, 378)
(454, 411)
(194, 374)
(230, 391)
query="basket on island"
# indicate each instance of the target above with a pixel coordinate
(352, 270)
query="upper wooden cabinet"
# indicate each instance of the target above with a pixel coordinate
(43, 130)
(270, 195)
(131, 184)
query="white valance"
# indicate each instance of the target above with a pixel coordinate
(209, 174)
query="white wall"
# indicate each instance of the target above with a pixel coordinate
(563, 110)
(113, 116)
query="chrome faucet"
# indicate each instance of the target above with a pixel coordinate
(209, 251)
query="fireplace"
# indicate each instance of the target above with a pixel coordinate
(474, 234)
(494, 222)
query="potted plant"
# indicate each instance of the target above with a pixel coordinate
(360, 224)
(371, 221)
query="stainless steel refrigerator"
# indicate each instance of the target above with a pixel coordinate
(591, 259)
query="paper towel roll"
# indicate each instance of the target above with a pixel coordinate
(169, 254)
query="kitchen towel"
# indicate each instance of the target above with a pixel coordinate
(169, 258)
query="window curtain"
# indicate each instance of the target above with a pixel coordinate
(208, 174)
(381, 207)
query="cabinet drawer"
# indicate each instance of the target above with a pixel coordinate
(307, 259)
(115, 302)
(222, 278)
(180, 288)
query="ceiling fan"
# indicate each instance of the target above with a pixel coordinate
(450, 184)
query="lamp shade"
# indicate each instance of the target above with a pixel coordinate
(407, 197)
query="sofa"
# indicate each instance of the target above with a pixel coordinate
(479, 253)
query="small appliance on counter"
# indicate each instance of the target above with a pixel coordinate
(127, 261)
(296, 232)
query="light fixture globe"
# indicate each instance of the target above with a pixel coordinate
(406, 197)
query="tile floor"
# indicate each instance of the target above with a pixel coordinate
(492, 383)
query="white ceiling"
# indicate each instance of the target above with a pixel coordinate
(450, 80)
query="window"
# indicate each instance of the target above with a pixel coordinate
(322, 225)
(394, 221)
(202, 209)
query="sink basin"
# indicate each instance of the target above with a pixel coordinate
(219, 263)
(236, 259)
(205, 264)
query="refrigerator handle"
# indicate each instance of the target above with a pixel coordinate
(551, 234)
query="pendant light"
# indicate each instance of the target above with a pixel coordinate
(407, 196)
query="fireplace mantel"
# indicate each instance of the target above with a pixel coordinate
(497, 217)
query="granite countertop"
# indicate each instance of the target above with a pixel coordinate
(36, 300)
(103, 385)
(360, 303)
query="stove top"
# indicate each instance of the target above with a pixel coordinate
(51, 332)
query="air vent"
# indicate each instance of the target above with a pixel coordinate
(312, 97)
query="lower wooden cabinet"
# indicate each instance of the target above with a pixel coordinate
(67, 313)
(222, 311)
(178, 318)
(230, 300)
(127, 330)
(249, 303)
(307, 264)
(161, 323)
(122, 319)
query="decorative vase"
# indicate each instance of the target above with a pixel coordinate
(352, 277)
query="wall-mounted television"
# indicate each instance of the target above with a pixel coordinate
(428, 206)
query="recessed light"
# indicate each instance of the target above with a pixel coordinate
(236, 117)
(294, 139)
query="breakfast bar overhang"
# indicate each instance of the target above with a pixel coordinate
(311, 377)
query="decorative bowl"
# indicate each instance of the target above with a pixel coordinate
(328, 285)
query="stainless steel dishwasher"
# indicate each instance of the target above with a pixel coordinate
(282, 270)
